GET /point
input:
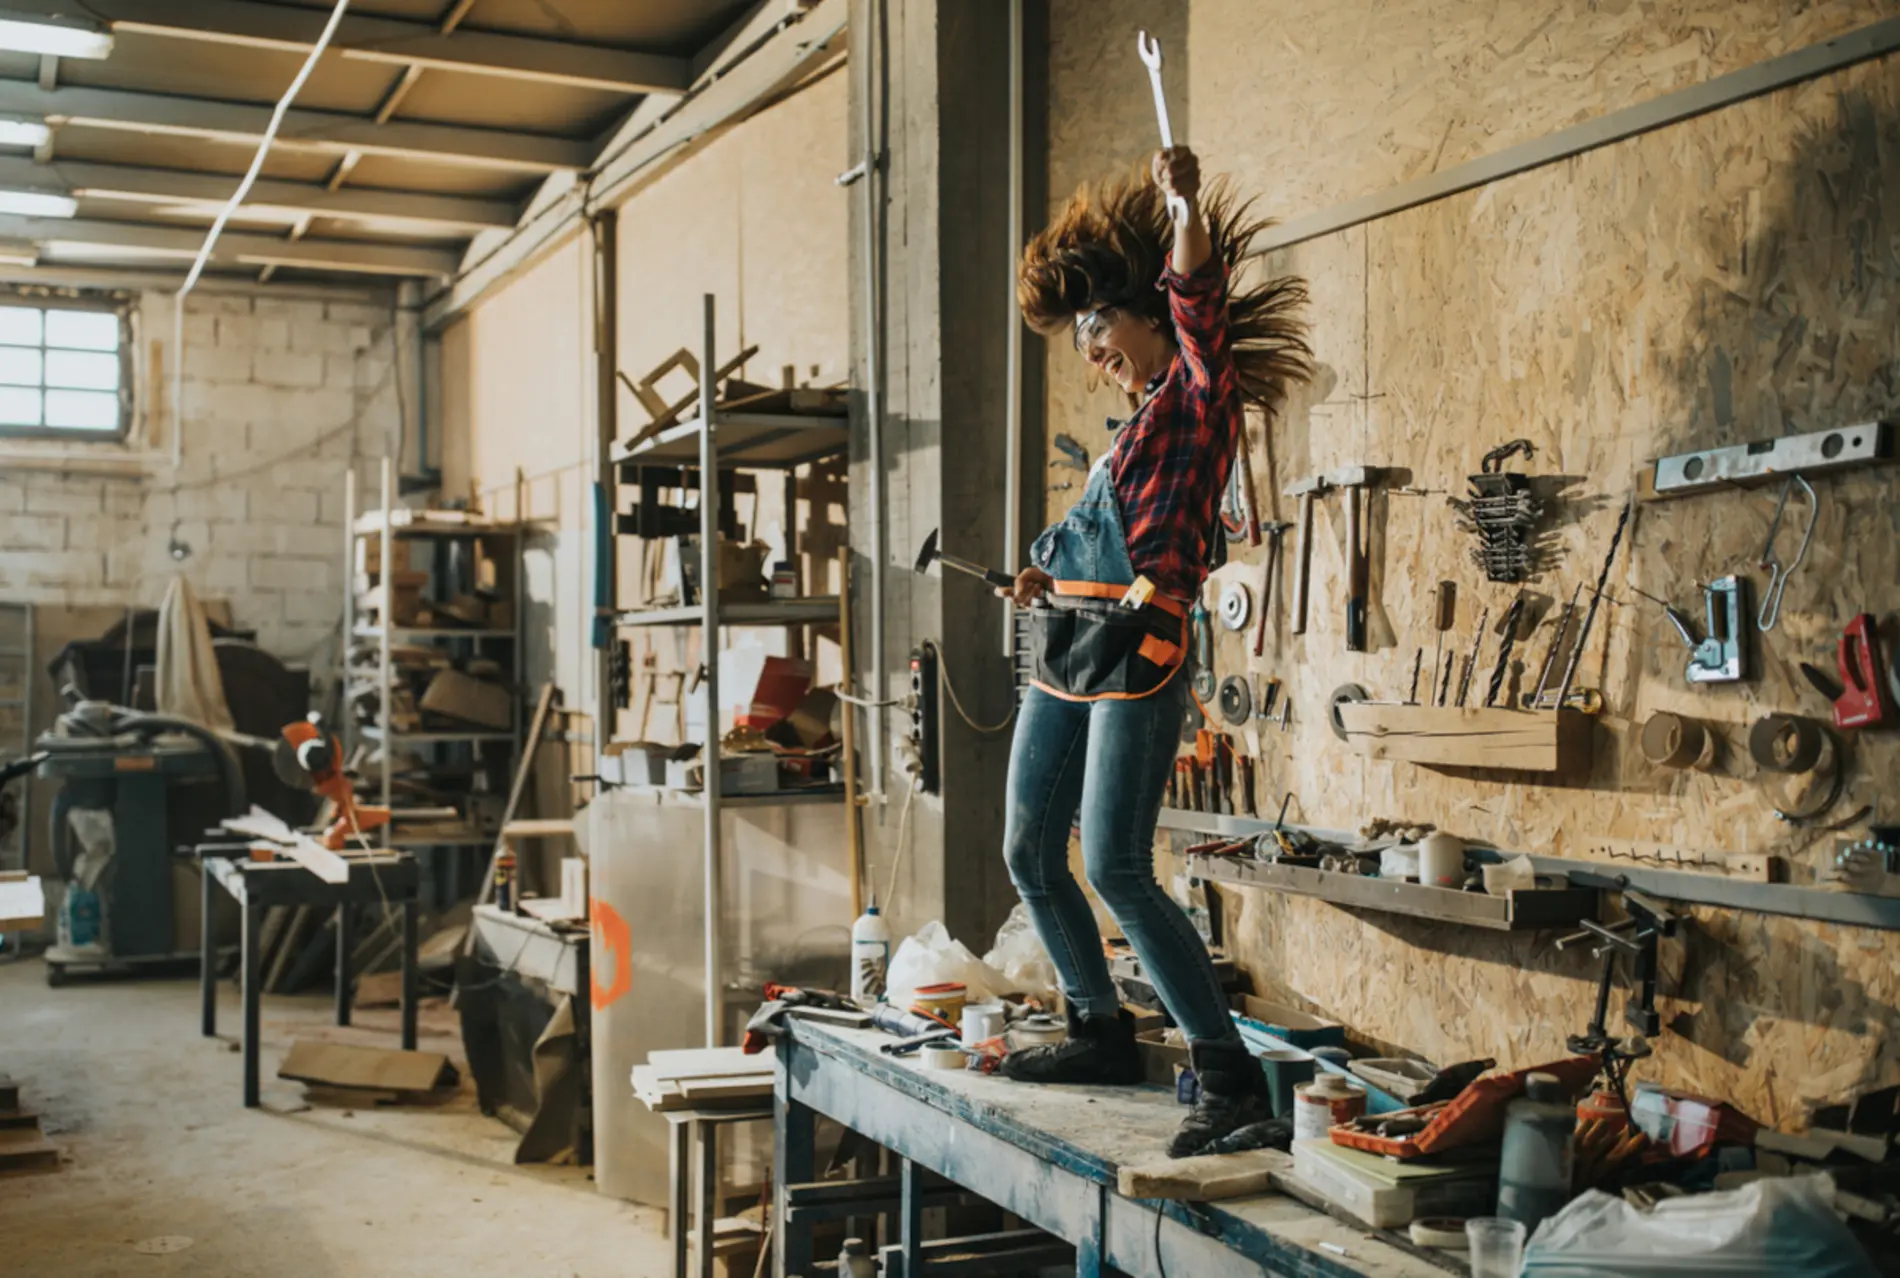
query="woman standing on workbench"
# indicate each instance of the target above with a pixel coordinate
(1113, 584)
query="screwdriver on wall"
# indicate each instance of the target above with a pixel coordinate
(1444, 610)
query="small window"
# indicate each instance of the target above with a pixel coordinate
(62, 369)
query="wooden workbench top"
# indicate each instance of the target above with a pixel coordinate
(1093, 1131)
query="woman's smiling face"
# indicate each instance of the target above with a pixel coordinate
(1130, 350)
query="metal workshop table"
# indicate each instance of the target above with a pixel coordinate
(257, 885)
(1047, 1154)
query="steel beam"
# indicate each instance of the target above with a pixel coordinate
(234, 248)
(390, 41)
(307, 130)
(292, 199)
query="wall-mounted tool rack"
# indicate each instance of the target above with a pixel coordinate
(1468, 736)
(1819, 904)
(1520, 911)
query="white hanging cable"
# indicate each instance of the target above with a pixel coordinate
(224, 215)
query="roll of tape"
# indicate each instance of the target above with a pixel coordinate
(1785, 743)
(1439, 1231)
(1671, 741)
(935, 1057)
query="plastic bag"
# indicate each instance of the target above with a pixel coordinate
(1021, 959)
(931, 956)
(1778, 1226)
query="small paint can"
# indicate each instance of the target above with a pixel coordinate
(1323, 1104)
(1038, 1031)
(944, 1001)
(981, 1022)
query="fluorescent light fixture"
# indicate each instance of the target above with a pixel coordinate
(18, 130)
(37, 204)
(60, 36)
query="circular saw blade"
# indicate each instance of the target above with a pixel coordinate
(1236, 700)
(283, 762)
(1344, 692)
(1236, 605)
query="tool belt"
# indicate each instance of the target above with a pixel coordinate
(1084, 646)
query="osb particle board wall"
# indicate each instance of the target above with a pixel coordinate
(1729, 278)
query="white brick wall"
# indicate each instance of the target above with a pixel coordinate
(279, 396)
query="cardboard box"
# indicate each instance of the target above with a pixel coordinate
(636, 762)
(739, 774)
(1159, 1057)
(467, 699)
(759, 689)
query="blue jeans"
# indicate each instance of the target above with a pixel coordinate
(1110, 761)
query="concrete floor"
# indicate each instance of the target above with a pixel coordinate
(158, 1145)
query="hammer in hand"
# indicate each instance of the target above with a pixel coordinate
(932, 551)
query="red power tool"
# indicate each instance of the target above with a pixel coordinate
(1862, 698)
(312, 759)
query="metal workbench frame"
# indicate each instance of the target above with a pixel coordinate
(391, 878)
(1049, 1182)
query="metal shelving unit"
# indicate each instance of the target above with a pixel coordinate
(807, 611)
(16, 714)
(711, 442)
(386, 525)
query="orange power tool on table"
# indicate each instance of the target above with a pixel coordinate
(312, 759)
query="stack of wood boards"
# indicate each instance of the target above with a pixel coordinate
(703, 1078)
(23, 1147)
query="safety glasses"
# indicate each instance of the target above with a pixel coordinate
(1091, 328)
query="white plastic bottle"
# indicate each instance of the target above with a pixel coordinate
(870, 957)
(852, 1262)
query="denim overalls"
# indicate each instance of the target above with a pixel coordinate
(1084, 645)
(1096, 737)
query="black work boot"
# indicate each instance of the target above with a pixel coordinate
(1233, 1095)
(1099, 1050)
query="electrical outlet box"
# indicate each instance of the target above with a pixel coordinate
(924, 726)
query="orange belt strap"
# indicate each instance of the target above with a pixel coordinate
(1102, 590)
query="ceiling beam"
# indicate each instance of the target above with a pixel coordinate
(235, 248)
(644, 147)
(174, 186)
(309, 130)
(390, 41)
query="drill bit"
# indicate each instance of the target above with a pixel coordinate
(1477, 646)
(1556, 646)
(1444, 683)
(1502, 666)
(1417, 663)
(1589, 617)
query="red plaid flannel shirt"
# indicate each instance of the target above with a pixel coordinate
(1170, 461)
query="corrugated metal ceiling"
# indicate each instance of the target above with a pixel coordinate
(155, 136)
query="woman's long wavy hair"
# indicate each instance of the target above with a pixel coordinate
(1108, 247)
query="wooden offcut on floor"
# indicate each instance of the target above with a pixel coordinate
(156, 1147)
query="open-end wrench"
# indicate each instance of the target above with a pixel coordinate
(1150, 50)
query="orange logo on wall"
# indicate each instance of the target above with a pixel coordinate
(613, 943)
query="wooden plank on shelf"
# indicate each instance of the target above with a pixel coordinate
(1468, 736)
(1759, 867)
(706, 1062)
(537, 726)
(538, 828)
(725, 1089)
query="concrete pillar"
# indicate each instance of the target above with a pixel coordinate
(938, 75)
